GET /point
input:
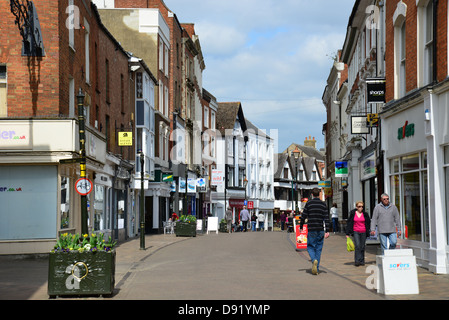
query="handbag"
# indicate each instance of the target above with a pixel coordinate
(350, 244)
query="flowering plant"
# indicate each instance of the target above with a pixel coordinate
(188, 218)
(83, 243)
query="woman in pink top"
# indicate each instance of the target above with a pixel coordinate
(358, 226)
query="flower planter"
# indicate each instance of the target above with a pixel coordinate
(185, 229)
(81, 273)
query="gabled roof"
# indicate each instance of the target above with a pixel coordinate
(308, 164)
(256, 130)
(310, 151)
(227, 114)
(281, 159)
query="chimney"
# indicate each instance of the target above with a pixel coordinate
(310, 142)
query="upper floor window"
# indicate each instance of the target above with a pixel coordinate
(3, 88)
(428, 42)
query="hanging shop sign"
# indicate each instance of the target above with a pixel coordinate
(217, 178)
(125, 139)
(358, 125)
(341, 169)
(372, 120)
(375, 90)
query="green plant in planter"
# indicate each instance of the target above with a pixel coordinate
(186, 226)
(82, 265)
(188, 219)
(83, 243)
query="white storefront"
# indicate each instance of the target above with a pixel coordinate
(415, 137)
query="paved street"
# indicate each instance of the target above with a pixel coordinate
(240, 266)
(260, 266)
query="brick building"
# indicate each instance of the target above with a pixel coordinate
(407, 154)
(414, 122)
(39, 125)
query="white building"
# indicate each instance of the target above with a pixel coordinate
(231, 158)
(260, 166)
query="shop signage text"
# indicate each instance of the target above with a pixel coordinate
(6, 189)
(406, 131)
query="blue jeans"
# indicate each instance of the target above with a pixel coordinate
(359, 242)
(253, 225)
(315, 241)
(261, 224)
(392, 237)
(335, 225)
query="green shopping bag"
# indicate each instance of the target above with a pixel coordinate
(349, 244)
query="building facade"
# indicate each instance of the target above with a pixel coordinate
(405, 154)
(414, 126)
(39, 153)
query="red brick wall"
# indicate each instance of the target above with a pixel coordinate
(411, 45)
(33, 84)
(48, 93)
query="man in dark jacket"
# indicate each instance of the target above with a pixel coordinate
(316, 216)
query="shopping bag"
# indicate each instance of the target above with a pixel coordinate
(349, 244)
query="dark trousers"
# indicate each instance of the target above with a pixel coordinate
(245, 225)
(359, 243)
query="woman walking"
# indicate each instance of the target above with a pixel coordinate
(358, 226)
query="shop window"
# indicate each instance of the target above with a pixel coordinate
(121, 209)
(412, 205)
(99, 211)
(65, 202)
(410, 162)
(408, 182)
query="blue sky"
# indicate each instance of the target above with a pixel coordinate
(274, 56)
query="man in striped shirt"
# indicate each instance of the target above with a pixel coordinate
(316, 216)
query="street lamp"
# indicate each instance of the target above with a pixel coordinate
(296, 154)
(142, 199)
(82, 138)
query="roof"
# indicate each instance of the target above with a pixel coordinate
(227, 114)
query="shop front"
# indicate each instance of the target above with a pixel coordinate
(38, 171)
(415, 167)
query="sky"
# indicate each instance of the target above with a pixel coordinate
(274, 56)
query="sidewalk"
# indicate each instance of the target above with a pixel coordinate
(26, 278)
(336, 259)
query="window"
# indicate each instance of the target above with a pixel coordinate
(402, 77)
(71, 98)
(107, 79)
(3, 91)
(166, 112)
(87, 50)
(428, 49)
(206, 117)
(122, 94)
(99, 208)
(166, 60)
(212, 120)
(408, 180)
(230, 176)
(65, 202)
(73, 15)
(161, 55)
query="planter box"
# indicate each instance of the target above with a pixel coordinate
(75, 273)
(185, 229)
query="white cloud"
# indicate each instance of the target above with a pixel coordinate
(272, 55)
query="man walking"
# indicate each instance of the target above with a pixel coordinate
(261, 218)
(315, 215)
(386, 219)
(229, 219)
(245, 216)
